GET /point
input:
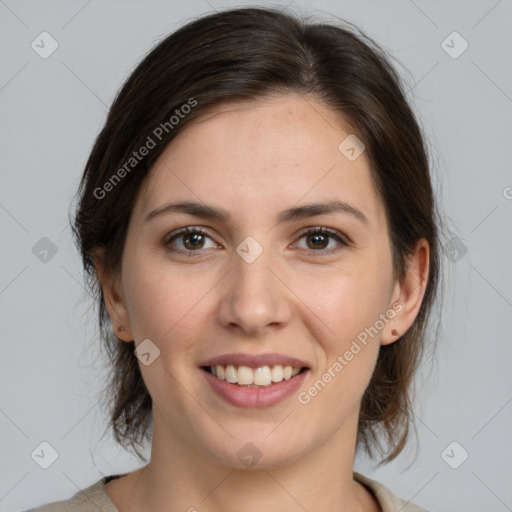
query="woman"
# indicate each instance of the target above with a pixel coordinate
(257, 220)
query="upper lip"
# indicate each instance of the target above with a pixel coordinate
(254, 360)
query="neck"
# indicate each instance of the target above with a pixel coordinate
(180, 478)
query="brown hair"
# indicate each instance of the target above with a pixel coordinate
(248, 53)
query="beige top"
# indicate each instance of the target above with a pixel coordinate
(95, 498)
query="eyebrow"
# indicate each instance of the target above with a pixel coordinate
(208, 212)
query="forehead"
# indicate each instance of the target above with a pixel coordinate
(261, 156)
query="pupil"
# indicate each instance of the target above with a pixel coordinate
(318, 237)
(195, 238)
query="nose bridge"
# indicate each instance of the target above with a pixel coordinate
(254, 297)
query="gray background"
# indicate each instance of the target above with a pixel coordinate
(52, 109)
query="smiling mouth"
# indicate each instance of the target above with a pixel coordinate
(246, 376)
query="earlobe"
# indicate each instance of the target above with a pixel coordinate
(408, 293)
(114, 300)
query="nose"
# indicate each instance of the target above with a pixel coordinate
(254, 297)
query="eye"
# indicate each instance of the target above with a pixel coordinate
(192, 239)
(319, 238)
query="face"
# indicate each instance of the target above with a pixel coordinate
(254, 288)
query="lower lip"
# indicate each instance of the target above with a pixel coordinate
(264, 396)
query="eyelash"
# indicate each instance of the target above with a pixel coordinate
(312, 231)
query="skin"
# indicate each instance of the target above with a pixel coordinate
(255, 159)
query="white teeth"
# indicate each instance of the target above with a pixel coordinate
(246, 376)
(231, 375)
(277, 373)
(262, 376)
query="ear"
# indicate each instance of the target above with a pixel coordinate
(114, 298)
(408, 294)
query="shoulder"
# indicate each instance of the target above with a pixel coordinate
(387, 500)
(90, 499)
(94, 498)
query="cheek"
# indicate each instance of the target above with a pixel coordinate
(166, 304)
(346, 323)
(347, 302)
(347, 350)
(166, 308)
(171, 304)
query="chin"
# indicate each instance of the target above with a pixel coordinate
(256, 449)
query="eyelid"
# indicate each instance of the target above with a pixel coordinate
(328, 231)
(187, 229)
